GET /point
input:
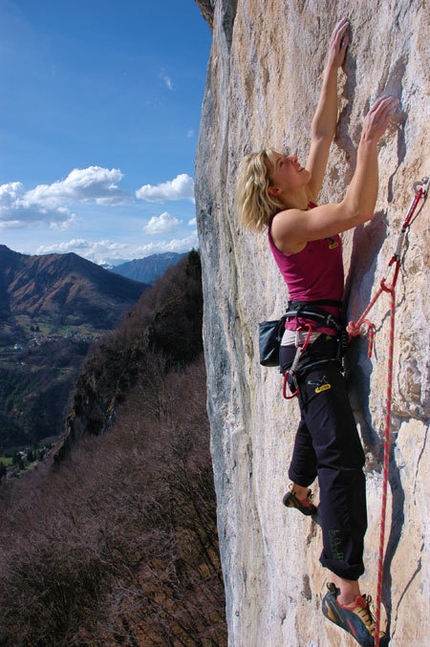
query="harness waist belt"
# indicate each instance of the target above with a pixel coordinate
(311, 310)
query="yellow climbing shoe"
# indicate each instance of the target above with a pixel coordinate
(356, 618)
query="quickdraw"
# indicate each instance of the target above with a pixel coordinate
(421, 190)
(363, 325)
(293, 368)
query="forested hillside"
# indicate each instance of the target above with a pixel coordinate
(115, 542)
(52, 307)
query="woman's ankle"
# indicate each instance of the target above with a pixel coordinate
(348, 590)
(300, 491)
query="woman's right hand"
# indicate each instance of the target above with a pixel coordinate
(378, 118)
(339, 42)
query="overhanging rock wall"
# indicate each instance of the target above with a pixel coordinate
(262, 86)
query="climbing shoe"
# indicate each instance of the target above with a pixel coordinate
(356, 618)
(304, 505)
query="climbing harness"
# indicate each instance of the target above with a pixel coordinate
(312, 310)
(361, 326)
(307, 310)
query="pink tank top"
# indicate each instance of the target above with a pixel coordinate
(314, 273)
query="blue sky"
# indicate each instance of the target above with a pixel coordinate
(99, 117)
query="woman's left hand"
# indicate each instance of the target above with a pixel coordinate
(338, 43)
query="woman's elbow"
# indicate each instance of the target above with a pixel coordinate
(357, 213)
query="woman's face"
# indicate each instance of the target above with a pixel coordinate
(287, 173)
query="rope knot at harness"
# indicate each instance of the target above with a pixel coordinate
(363, 325)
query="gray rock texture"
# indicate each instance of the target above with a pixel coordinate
(262, 86)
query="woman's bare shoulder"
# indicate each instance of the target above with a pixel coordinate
(284, 229)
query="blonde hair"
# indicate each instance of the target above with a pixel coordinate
(254, 203)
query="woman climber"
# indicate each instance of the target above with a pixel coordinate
(275, 191)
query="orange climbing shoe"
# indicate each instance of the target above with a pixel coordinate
(304, 505)
(356, 618)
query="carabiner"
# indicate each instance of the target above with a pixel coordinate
(284, 388)
(294, 365)
(422, 186)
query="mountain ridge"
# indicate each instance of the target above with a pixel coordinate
(61, 291)
(150, 268)
(52, 308)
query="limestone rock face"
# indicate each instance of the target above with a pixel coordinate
(262, 87)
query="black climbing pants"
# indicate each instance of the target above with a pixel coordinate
(327, 446)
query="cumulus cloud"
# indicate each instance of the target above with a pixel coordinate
(51, 203)
(106, 251)
(95, 251)
(18, 209)
(64, 247)
(175, 245)
(92, 183)
(69, 223)
(163, 224)
(181, 188)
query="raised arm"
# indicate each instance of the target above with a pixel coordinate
(324, 121)
(293, 228)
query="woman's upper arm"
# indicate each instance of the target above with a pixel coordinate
(293, 228)
(317, 163)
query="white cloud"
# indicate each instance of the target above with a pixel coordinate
(64, 247)
(92, 183)
(106, 251)
(192, 222)
(168, 81)
(51, 203)
(163, 224)
(11, 192)
(95, 251)
(175, 245)
(181, 188)
(69, 223)
(19, 208)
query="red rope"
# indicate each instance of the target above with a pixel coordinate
(354, 329)
(386, 464)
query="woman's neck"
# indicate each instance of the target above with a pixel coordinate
(297, 200)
